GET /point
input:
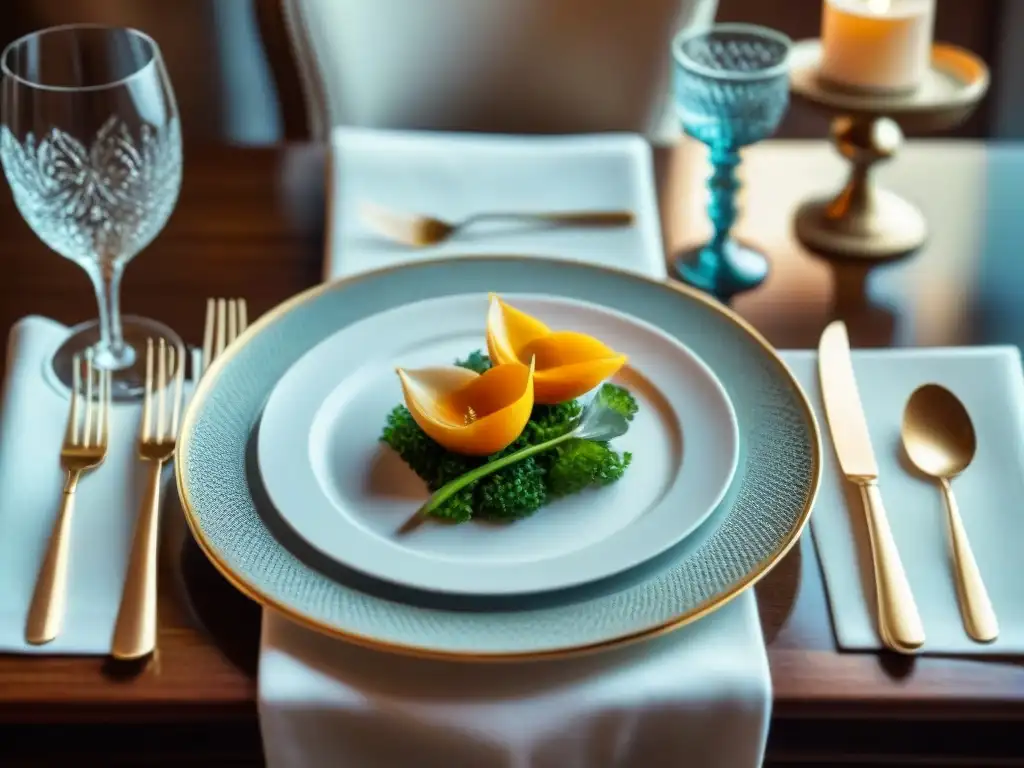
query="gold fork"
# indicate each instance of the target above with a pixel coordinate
(225, 319)
(135, 630)
(84, 449)
(417, 230)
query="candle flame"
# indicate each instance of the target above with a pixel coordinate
(879, 6)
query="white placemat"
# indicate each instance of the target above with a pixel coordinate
(452, 176)
(700, 696)
(990, 492)
(32, 421)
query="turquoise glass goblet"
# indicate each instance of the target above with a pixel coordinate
(731, 89)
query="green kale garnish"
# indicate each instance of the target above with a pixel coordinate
(548, 421)
(582, 463)
(619, 399)
(477, 361)
(520, 489)
(513, 492)
(458, 508)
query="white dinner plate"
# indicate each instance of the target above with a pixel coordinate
(346, 493)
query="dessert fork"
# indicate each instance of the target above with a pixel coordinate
(84, 449)
(417, 230)
(135, 630)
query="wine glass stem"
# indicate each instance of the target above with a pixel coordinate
(111, 352)
(722, 185)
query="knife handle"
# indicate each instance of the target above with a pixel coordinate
(898, 620)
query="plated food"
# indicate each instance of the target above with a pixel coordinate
(512, 422)
(288, 489)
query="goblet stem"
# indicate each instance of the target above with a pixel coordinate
(722, 267)
(110, 352)
(722, 184)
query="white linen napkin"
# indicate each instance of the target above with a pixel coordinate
(700, 696)
(452, 176)
(990, 382)
(32, 420)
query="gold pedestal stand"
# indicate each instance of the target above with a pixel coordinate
(864, 225)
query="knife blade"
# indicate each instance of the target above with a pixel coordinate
(843, 408)
(899, 623)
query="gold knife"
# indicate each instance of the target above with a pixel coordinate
(899, 623)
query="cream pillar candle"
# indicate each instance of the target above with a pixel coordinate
(876, 45)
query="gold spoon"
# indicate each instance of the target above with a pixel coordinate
(939, 439)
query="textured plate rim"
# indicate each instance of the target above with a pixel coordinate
(254, 593)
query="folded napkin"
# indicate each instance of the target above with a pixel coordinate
(696, 697)
(989, 492)
(32, 420)
(699, 696)
(452, 176)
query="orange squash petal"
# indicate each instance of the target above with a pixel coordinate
(565, 348)
(431, 389)
(567, 382)
(568, 364)
(473, 415)
(509, 330)
(495, 389)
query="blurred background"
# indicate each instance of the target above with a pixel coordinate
(236, 79)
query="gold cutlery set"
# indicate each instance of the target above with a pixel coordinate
(939, 440)
(937, 435)
(85, 448)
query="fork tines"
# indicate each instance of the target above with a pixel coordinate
(225, 320)
(92, 427)
(167, 361)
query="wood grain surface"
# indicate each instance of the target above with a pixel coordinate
(250, 223)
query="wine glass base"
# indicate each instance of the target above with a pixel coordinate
(128, 381)
(736, 269)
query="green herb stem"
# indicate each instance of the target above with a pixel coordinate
(454, 486)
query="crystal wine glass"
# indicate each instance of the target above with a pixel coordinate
(731, 90)
(91, 146)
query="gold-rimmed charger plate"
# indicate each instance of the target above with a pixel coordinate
(760, 518)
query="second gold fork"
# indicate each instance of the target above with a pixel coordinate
(135, 630)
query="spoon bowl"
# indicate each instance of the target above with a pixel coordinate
(937, 432)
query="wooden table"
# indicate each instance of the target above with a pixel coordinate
(250, 222)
